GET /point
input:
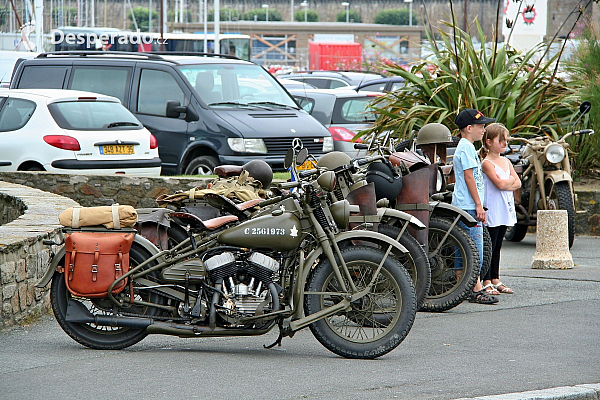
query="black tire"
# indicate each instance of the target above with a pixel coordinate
(487, 252)
(563, 199)
(203, 165)
(415, 261)
(449, 287)
(516, 233)
(102, 337)
(393, 294)
(175, 235)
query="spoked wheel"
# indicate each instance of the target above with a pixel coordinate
(560, 198)
(454, 262)
(103, 337)
(415, 261)
(355, 332)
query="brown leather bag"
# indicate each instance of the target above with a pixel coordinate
(94, 260)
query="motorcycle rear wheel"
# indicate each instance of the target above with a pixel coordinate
(356, 333)
(102, 337)
(452, 279)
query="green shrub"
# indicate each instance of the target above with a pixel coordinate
(261, 15)
(397, 16)
(226, 14)
(353, 16)
(311, 16)
(141, 17)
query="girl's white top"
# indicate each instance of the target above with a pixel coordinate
(500, 203)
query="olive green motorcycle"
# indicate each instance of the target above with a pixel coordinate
(291, 268)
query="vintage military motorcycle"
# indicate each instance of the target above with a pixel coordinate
(544, 166)
(291, 268)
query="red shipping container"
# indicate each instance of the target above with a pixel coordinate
(334, 56)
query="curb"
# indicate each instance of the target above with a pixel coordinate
(578, 392)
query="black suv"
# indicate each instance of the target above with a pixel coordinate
(203, 110)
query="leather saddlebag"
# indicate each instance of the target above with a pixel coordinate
(94, 260)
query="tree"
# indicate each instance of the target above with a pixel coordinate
(353, 16)
(226, 14)
(141, 18)
(397, 16)
(311, 16)
(69, 15)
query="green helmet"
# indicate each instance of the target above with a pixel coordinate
(434, 133)
(333, 159)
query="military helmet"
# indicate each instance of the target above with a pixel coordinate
(333, 159)
(434, 133)
(260, 171)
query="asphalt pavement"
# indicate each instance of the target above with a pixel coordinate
(539, 343)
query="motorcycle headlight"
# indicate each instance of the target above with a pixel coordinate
(247, 145)
(554, 153)
(327, 144)
(439, 183)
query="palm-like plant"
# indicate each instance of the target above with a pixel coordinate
(519, 89)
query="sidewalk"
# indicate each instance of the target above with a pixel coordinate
(579, 392)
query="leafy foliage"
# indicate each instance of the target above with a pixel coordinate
(311, 16)
(519, 89)
(397, 16)
(353, 16)
(585, 70)
(226, 14)
(69, 15)
(141, 17)
(261, 15)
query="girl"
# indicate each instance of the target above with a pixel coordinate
(500, 180)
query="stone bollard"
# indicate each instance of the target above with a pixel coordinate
(552, 242)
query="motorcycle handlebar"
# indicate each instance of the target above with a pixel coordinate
(361, 146)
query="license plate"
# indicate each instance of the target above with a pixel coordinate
(112, 149)
(308, 164)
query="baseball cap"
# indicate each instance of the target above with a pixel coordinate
(471, 117)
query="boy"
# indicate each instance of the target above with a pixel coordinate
(469, 186)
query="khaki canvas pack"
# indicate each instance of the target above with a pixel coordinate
(112, 217)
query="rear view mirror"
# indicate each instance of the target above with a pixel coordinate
(585, 107)
(302, 156)
(289, 158)
(174, 110)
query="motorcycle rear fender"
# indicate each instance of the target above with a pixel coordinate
(449, 211)
(59, 255)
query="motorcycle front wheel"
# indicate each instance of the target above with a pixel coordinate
(561, 198)
(103, 337)
(454, 262)
(361, 331)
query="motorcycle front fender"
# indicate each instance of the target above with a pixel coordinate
(60, 254)
(557, 176)
(392, 213)
(446, 210)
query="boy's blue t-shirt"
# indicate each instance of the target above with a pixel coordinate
(465, 157)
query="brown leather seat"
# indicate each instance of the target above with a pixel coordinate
(228, 170)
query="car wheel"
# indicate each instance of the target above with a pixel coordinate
(203, 165)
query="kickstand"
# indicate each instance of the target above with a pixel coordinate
(279, 338)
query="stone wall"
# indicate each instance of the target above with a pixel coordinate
(23, 257)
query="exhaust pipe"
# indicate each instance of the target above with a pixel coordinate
(77, 312)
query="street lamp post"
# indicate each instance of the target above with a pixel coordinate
(409, 11)
(347, 5)
(266, 6)
(305, 5)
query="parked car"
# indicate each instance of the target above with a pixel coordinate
(74, 132)
(8, 59)
(203, 110)
(291, 84)
(343, 112)
(388, 84)
(332, 79)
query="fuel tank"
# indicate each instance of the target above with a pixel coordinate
(280, 232)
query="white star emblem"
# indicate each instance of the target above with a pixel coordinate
(282, 208)
(294, 231)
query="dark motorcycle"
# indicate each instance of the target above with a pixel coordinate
(292, 268)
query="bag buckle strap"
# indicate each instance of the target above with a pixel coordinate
(95, 266)
(118, 266)
(72, 265)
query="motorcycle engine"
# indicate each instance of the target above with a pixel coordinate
(246, 279)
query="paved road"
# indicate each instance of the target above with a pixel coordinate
(545, 335)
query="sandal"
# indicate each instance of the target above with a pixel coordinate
(504, 289)
(490, 289)
(482, 297)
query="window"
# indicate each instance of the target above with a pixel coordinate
(103, 80)
(156, 88)
(43, 77)
(353, 111)
(374, 87)
(15, 113)
(92, 116)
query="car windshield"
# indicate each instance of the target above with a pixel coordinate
(93, 116)
(353, 111)
(236, 85)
